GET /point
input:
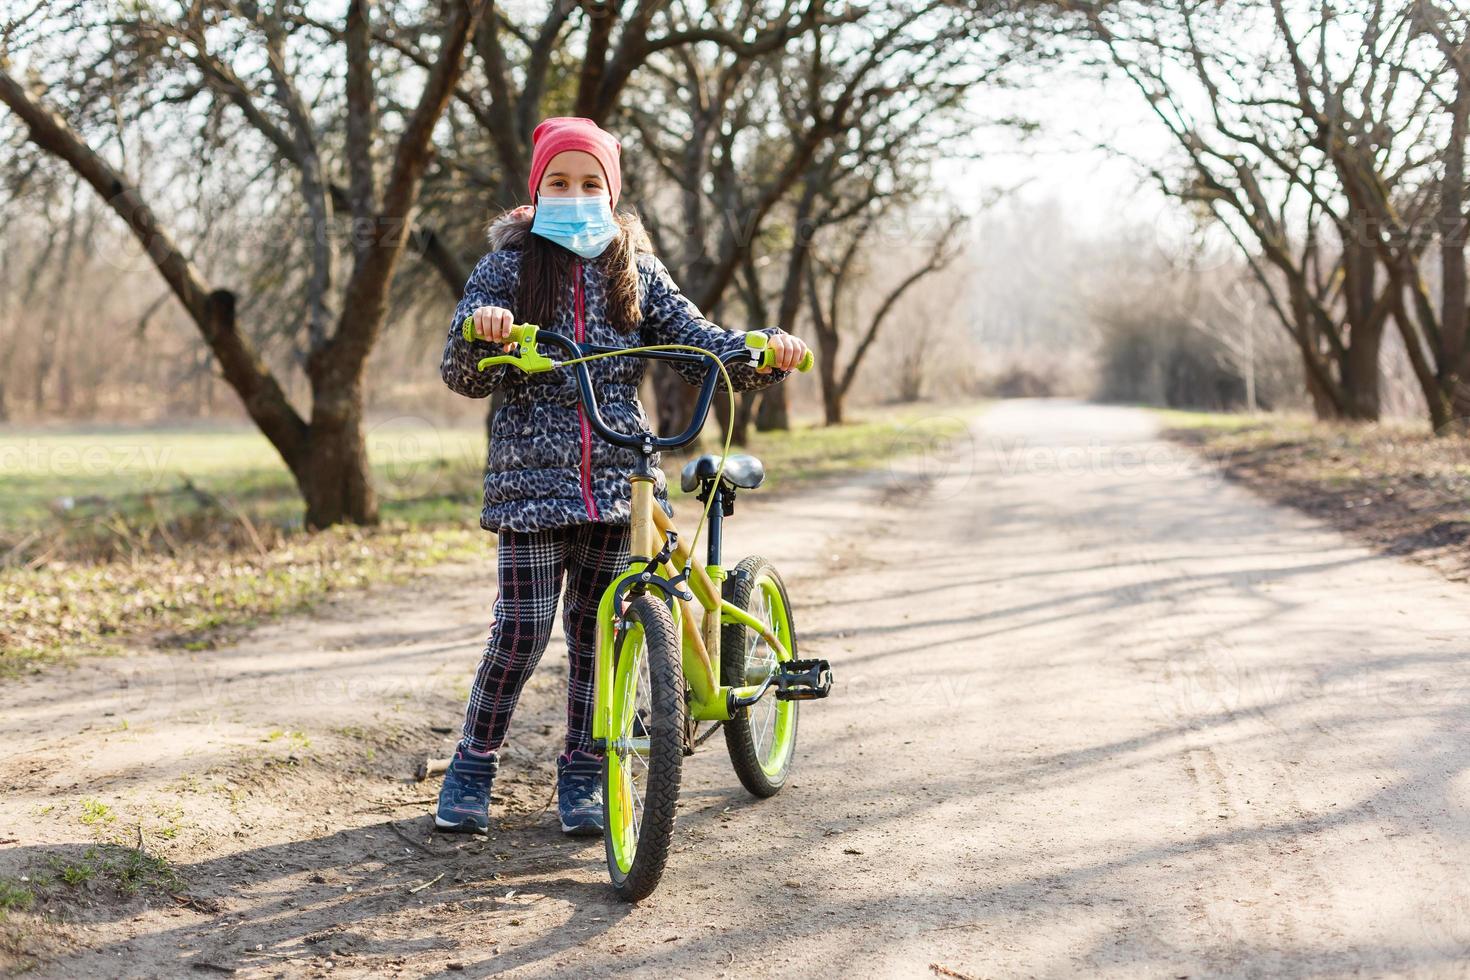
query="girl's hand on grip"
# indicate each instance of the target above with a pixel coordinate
(493, 323)
(787, 352)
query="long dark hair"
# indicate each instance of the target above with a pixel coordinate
(546, 270)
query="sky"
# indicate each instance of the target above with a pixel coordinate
(1072, 191)
(1064, 161)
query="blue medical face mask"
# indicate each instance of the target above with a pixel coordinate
(583, 225)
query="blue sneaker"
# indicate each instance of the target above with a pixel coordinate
(464, 800)
(579, 792)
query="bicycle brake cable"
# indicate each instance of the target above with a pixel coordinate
(729, 428)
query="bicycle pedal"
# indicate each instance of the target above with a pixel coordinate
(803, 680)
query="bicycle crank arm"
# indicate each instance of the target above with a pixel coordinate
(796, 680)
(737, 701)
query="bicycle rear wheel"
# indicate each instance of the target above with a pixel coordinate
(645, 750)
(762, 737)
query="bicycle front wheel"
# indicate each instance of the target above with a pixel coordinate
(762, 737)
(645, 750)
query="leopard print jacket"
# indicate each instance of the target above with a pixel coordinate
(546, 468)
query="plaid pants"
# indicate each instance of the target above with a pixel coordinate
(531, 571)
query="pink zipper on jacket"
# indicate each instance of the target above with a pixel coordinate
(581, 337)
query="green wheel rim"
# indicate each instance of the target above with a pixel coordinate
(772, 722)
(627, 753)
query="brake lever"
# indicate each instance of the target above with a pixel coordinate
(530, 361)
(528, 356)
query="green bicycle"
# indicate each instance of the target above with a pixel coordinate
(682, 642)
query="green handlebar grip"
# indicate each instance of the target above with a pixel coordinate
(520, 333)
(759, 341)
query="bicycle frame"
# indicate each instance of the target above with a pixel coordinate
(698, 618)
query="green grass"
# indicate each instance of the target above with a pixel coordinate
(15, 895)
(1240, 431)
(95, 813)
(20, 661)
(127, 870)
(74, 874)
(424, 474)
(85, 481)
(296, 740)
(110, 535)
(61, 882)
(810, 451)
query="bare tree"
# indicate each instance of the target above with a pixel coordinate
(323, 448)
(1266, 156)
(857, 104)
(829, 317)
(1436, 330)
(1365, 120)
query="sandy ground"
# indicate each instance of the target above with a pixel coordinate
(1097, 712)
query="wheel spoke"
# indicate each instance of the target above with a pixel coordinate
(638, 764)
(767, 737)
(764, 726)
(631, 749)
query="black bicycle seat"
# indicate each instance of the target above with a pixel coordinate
(741, 471)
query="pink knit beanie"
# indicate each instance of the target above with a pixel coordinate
(561, 133)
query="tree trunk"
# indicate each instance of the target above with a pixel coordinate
(744, 415)
(1454, 227)
(1323, 407)
(824, 326)
(675, 399)
(1360, 373)
(327, 455)
(773, 414)
(1438, 400)
(1325, 404)
(1358, 367)
(740, 424)
(831, 391)
(333, 470)
(1458, 399)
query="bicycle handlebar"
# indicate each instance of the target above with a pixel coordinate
(528, 358)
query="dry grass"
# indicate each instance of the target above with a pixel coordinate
(61, 610)
(110, 537)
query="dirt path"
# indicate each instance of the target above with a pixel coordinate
(1097, 712)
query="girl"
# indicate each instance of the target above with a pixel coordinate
(556, 495)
